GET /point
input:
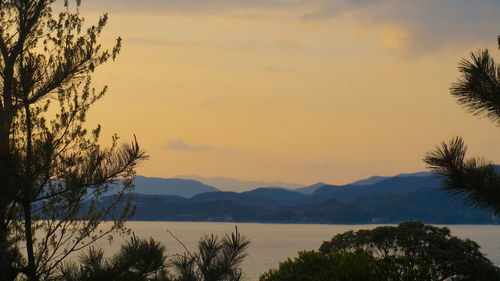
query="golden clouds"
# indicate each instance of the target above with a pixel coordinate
(395, 38)
(265, 94)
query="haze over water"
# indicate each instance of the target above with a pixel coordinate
(273, 243)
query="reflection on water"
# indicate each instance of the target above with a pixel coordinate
(272, 243)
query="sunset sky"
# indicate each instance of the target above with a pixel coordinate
(291, 90)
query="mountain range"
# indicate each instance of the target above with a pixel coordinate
(373, 200)
(231, 184)
(173, 186)
(189, 186)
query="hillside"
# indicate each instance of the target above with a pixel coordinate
(235, 185)
(177, 187)
(386, 200)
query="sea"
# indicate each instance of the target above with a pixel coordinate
(274, 243)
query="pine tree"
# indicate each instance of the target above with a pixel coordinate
(53, 171)
(478, 91)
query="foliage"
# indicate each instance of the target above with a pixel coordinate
(410, 251)
(14, 260)
(315, 266)
(142, 260)
(478, 90)
(476, 178)
(360, 265)
(426, 247)
(216, 259)
(51, 167)
(137, 260)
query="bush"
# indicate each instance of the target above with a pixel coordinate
(145, 260)
(315, 266)
(409, 251)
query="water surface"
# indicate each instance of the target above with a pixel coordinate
(272, 243)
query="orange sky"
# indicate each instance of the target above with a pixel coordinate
(297, 91)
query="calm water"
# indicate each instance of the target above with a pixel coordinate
(272, 243)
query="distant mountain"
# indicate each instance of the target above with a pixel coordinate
(238, 198)
(328, 211)
(235, 185)
(172, 186)
(161, 208)
(201, 211)
(261, 197)
(279, 196)
(428, 204)
(144, 199)
(310, 189)
(369, 181)
(395, 199)
(394, 185)
(417, 174)
(375, 179)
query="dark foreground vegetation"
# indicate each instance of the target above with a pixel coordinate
(147, 260)
(216, 259)
(410, 251)
(478, 91)
(52, 166)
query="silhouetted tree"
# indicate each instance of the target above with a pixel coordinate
(430, 249)
(478, 90)
(52, 169)
(339, 266)
(216, 259)
(410, 251)
(142, 260)
(137, 260)
(12, 260)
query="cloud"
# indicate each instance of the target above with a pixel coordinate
(394, 38)
(211, 32)
(190, 6)
(180, 145)
(414, 26)
(419, 26)
(288, 40)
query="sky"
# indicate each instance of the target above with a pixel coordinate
(291, 90)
